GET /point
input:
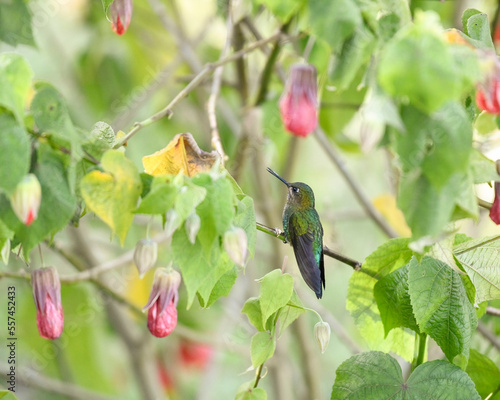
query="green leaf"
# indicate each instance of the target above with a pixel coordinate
(245, 218)
(248, 392)
(483, 372)
(106, 4)
(57, 206)
(469, 12)
(5, 234)
(15, 81)
(100, 140)
(15, 154)
(283, 9)
(275, 292)
(293, 310)
(112, 195)
(189, 197)
(479, 258)
(221, 264)
(478, 28)
(160, 198)
(254, 313)
(361, 301)
(393, 300)
(262, 348)
(223, 286)
(418, 48)
(483, 169)
(441, 306)
(15, 23)
(7, 395)
(334, 21)
(378, 376)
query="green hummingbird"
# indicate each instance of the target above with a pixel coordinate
(303, 230)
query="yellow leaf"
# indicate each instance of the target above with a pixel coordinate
(182, 154)
(386, 205)
(112, 195)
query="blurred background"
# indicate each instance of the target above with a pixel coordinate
(105, 351)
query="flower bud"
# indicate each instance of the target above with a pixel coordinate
(236, 245)
(299, 103)
(495, 207)
(120, 12)
(162, 303)
(25, 200)
(47, 296)
(488, 91)
(322, 335)
(145, 255)
(174, 220)
(193, 223)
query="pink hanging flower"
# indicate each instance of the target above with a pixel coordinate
(120, 12)
(299, 103)
(47, 295)
(488, 91)
(162, 303)
(495, 208)
(26, 199)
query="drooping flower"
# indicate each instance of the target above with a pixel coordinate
(299, 103)
(162, 303)
(47, 296)
(236, 245)
(488, 90)
(322, 335)
(120, 12)
(25, 200)
(145, 255)
(495, 208)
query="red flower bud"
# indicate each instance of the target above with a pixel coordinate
(162, 303)
(299, 103)
(488, 91)
(25, 200)
(47, 295)
(120, 12)
(495, 208)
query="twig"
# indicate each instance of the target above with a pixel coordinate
(206, 70)
(493, 311)
(216, 84)
(257, 375)
(362, 198)
(484, 203)
(32, 378)
(356, 265)
(487, 334)
(309, 357)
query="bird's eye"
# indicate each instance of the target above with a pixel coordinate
(296, 189)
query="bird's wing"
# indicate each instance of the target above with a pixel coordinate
(302, 235)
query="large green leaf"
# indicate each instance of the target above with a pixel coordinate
(112, 195)
(275, 292)
(361, 301)
(417, 64)
(479, 258)
(15, 154)
(334, 21)
(15, 81)
(484, 373)
(15, 23)
(378, 376)
(223, 286)
(393, 300)
(441, 306)
(160, 198)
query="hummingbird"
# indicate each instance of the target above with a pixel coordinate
(302, 228)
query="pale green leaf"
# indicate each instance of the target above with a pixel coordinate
(289, 313)
(248, 392)
(15, 23)
(160, 198)
(223, 286)
(275, 292)
(262, 348)
(112, 195)
(252, 309)
(483, 372)
(483, 169)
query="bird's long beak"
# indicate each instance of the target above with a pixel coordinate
(277, 176)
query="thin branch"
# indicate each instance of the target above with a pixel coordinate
(34, 379)
(360, 195)
(258, 375)
(356, 265)
(216, 84)
(493, 311)
(487, 334)
(206, 70)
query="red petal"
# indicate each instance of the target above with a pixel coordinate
(163, 324)
(118, 28)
